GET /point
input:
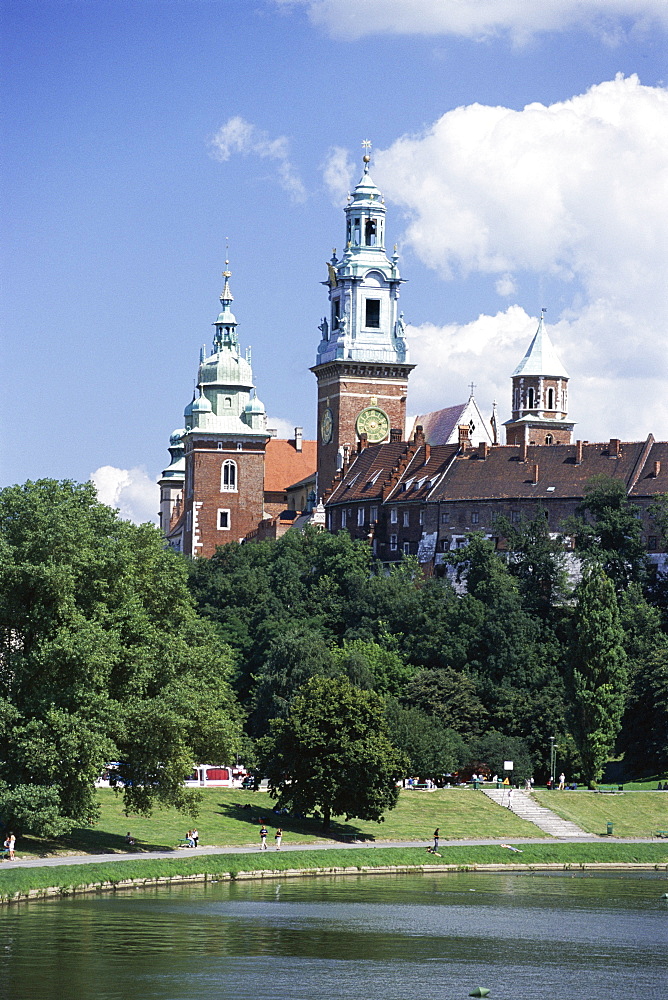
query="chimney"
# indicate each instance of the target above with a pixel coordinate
(615, 448)
(427, 453)
(395, 434)
(299, 438)
(362, 443)
(483, 449)
(578, 452)
(524, 451)
(463, 430)
(535, 474)
(418, 436)
(657, 469)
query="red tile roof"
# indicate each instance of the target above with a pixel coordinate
(284, 465)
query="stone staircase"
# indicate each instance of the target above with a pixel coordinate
(524, 806)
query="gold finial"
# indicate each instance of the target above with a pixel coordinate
(366, 145)
(227, 273)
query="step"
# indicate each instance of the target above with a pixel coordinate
(527, 808)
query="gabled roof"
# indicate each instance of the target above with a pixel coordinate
(285, 465)
(541, 357)
(439, 425)
(501, 475)
(366, 475)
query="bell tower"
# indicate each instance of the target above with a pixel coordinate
(540, 396)
(362, 364)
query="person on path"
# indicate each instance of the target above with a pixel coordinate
(562, 781)
(278, 836)
(263, 838)
(436, 839)
(510, 797)
(195, 838)
(11, 841)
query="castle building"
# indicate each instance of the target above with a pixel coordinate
(362, 363)
(409, 492)
(228, 475)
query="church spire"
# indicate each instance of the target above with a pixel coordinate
(540, 395)
(226, 324)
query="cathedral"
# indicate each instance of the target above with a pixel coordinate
(408, 490)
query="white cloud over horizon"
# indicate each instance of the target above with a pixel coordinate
(242, 137)
(610, 20)
(577, 191)
(130, 491)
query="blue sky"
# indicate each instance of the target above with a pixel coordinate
(524, 164)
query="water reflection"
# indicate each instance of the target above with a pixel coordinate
(548, 936)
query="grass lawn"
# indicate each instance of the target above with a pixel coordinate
(223, 822)
(633, 814)
(67, 877)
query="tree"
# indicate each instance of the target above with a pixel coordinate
(609, 531)
(598, 671)
(494, 749)
(449, 696)
(102, 659)
(332, 753)
(432, 750)
(537, 560)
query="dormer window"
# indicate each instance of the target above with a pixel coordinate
(372, 314)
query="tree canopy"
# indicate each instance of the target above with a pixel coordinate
(103, 659)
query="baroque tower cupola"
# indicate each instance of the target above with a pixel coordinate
(540, 396)
(362, 363)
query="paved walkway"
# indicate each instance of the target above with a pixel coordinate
(82, 859)
(524, 806)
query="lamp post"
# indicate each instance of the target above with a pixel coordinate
(553, 760)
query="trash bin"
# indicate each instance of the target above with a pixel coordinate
(609, 831)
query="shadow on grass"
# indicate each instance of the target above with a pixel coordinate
(87, 841)
(306, 826)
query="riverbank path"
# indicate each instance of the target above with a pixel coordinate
(138, 855)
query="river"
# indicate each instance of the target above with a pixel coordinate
(589, 936)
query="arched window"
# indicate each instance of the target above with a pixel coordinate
(530, 398)
(550, 399)
(228, 477)
(549, 439)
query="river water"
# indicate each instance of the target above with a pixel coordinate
(404, 937)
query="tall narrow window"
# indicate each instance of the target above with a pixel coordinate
(224, 520)
(372, 318)
(360, 517)
(530, 398)
(550, 399)
(336, 313)
(394, 515)
(370, 232)
(393, 543)
(343, 518)
(228, 477)
(406, 521)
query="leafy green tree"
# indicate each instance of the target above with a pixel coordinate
(599, 674)
(494, 748)
(102, 659)
(448, 695)
(332, 753)
(609, 531)
(537, 560)
(432, 750)
(373, 666)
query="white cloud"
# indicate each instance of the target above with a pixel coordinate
(239, 136)
(131, 491)
(480, 19)
(285, 429)
(577, 191)
(338, 173)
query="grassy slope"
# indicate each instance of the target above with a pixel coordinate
(459, 813)
(633, 814)
(70, 876)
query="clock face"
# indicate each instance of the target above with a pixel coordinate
(326, 425)
(374, 423)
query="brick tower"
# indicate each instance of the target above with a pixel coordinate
(213, 491)
(362, 363)
(540, 396)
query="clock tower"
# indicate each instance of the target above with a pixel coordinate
(362, 364)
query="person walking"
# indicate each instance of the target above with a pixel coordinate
(11, 841)
(278, 836)
(510, 797)
(263, 838)
(436, 839)
(562, 781)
